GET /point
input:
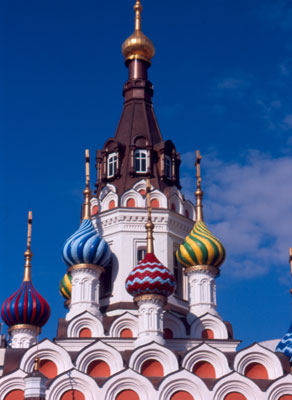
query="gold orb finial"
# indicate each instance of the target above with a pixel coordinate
(138, 46)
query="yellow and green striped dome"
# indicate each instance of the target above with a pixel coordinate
(201, 248)
(66, 286)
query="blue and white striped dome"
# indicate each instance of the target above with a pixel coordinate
(285, 344)
(85, 246)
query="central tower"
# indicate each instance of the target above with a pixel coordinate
(135, 153)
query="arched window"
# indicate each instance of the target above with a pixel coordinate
(15, 395)
(127, 395)
(48, 368)
(167, 166)
(207, 334)
(99, 368)
(182, 395)
(112, 164)
(256, 371)
(140, 160)
(152, 368)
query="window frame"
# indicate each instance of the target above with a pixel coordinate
(138, 159)
(112, 162)
(167, 166)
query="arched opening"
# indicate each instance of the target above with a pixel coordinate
(73, 395)
(111, 204)
(152, 368)
(131, 203)
(187, 214)
(127, 395)
(207, 334)
(15, 395)
(126, 333)
(235, 396)
(256, 371)
(48, 368)
(94, 210)
(98, 368)
(173, 207)
(85, 333)
(181, 395)
(142, 192)
(155, 203)
(204, 369)
(286, 397)
(167, 333)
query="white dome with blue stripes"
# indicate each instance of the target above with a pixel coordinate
(285, 344)
(86, 246)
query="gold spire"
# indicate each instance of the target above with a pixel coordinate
(87, 191)
(138, 46)
(149, 225)
(199, 193)
(290, 260)
(28, 253)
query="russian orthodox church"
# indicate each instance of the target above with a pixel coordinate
(141, 321)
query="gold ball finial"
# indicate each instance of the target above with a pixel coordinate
(138, 46)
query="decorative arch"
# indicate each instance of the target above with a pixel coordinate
(281, 388)
(82, 321)
(132, 194)
(175, 324)
(108, 201)
(46, 350)
(14, 381)
(76, 380)
(102, 352)
(131, 381)
(16, 394)
(211, 322)
(127, 395)
(189, 210)
(125, 321)
(152, 368)
(176, 199)
(204, 352)
(236, 383)
(183, 381)
(154, 351)
(182, 395)
(256, 354)
(73, 395)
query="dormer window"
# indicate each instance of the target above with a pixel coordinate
(112, 161)
(167, 166)
(140, 157)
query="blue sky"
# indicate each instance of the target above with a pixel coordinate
(222, 76)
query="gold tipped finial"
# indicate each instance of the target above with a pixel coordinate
(28, 253)
(87, 191)
(199, 193)
(149, 225)
(138, 46)
(138, 9)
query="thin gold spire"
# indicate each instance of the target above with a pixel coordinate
(87, 191)
(290, 260)
(149, 225)
(28, 252)
(199, 193)
(138, 9)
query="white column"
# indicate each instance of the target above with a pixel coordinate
(85, 290)
(150, 319)
(202, 291)
(23, 336)
(35, 386)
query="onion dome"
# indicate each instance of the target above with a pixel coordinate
(285, 344)
(26, 305)
(200, 247)
(66, 286)
(86, 246)
(150, 277)
(138, 46)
